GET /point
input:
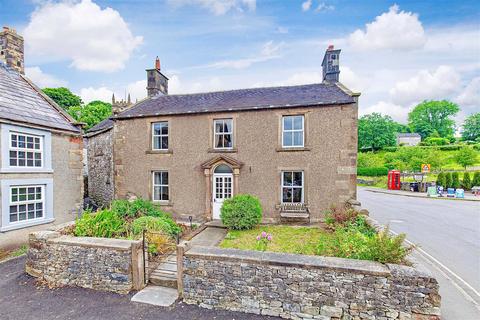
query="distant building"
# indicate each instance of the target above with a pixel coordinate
(408, 139)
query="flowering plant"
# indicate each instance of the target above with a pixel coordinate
(262, 241)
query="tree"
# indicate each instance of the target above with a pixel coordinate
(63, 97)
(441, 179)
(471, 127)
(448, 180)
(91, 113)
(476, 179)
(455, 180)
(433, 115)
(466, 182)
(466, 156)
(376, 131)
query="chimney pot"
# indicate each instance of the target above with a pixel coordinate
(157, 63)
(330, 47)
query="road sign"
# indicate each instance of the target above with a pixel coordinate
(425, 167)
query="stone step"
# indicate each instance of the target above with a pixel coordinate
(166, 273)
(164, 281)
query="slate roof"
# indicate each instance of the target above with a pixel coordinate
(102, 125)
(322, 94)
(22, 101)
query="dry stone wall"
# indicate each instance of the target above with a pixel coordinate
(94, 263)
(307, 287)
(100, 168)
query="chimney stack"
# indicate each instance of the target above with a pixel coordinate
(157, 82)
(11, 49)
(331, 65)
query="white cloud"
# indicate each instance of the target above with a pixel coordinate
(306, 5)
(43, 80)
(92, 38)
(397, 112)
(391, 30)
(269, 51)
(218, 7)
(470, 95)
(282, 30)
(137, 90)
(427, 85)
(101, 93)
(324, 7)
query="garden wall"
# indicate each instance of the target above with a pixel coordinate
(305, 287)
(96, 263)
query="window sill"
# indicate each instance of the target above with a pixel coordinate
(22, 225)
(25, 170)
(292, 149)
(169, 151)
(212, 150)
(163, 203)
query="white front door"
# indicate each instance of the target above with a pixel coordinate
(222, 189)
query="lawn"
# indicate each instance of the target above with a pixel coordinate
(289, 239)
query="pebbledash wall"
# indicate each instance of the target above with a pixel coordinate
(305, 287)
(95, 263)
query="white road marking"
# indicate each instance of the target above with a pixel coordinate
(396, 221)
(437, 264)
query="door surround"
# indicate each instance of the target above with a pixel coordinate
(208, 171)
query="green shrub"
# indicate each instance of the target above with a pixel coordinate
(390, 149)
(466, 182)
(103, 224)
(455, 180)
(441, 180)
(448, 180)
(340, 216)
(160, 224)
(451, 147)
(372, 171)
(476, 179)
(120, 207)
(476, 146)
(136, 208)
(352, 244)
(243, 211)
(432, 141)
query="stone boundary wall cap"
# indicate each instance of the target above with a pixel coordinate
(291, 260)
(117, 244)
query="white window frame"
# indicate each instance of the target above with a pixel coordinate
(161, 185)
(293, 131)
(47, 195)
(302, 187)
(6, 132)
(160, 136)
(215, 133)
(25, 149)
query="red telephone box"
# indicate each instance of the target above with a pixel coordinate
(394, 180)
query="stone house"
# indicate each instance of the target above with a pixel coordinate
(41, 159)
(408, 139)
(294, 147)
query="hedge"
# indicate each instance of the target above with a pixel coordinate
(390, 149)
(372, 171)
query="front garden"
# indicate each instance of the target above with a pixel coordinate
(345, 234)
(131, 221)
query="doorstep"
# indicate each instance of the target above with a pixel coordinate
(157, 296)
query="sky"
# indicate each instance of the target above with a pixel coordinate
(396, 54)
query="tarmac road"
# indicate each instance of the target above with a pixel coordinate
(448, 235)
